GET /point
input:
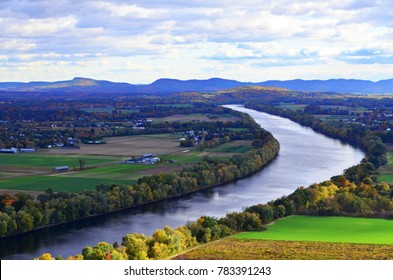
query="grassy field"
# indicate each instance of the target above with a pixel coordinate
(291, 106)
(240, 146)
(386, 178)
(183, 158)
(246, 249)
(385, 173)
(327, 229)
(305, 237)
(49, 160)
(198, 117)
(58, 183)
(80, 180)
(108, 110)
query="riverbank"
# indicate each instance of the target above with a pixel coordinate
(293, 160)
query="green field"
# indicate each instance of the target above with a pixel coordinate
(386, 178)
(385, 173)
(78, 181)
(57, 183)
(327, 229)
(186, 105)
(108, 110)
(232, 147)
(291, 106)
(190, 157)
(390, 158)
(50, 160)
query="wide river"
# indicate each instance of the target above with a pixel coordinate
(305, 157)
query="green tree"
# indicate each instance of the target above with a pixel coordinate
(136, 246)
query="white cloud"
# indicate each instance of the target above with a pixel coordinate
(38, 27)
(133, 11)
(194, 39)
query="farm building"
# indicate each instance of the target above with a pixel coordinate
(144, 159)
(136, 160)
(153, 160)
(9, 151)
(147, 155)
(27, 150)
(61, 169)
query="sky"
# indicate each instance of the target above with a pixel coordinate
(246, 40)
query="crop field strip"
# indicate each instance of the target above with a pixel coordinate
(246, 249)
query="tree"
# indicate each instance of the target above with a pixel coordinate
(45, 257)
(82, 164)
(136, 246)
(265, 212)
(23, 221)
(102, 251)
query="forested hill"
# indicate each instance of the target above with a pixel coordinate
(167, 86)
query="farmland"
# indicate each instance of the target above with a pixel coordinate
(246, 249)
(240, 146)
(385, 173)
(46, 161)
(327, 229)
(124, 146)
(33, 171)
(197, 118)
(306, 237)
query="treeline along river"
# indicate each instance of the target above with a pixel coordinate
(305, 157)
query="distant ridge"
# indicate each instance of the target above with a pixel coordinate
(166, 86)
(336, 85)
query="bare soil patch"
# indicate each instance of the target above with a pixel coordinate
(128, 146)
(13, 192)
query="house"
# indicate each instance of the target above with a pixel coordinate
(136, 160)
(9, 151)
(147, 155)
(27, 150)
(153, 160)
(61, 169)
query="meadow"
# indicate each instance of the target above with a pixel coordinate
(48, 161)
(197, 118)
(326, 229)
(385, 173)
(305, 237)
(240, 146)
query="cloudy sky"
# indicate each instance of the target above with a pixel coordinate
(246, 40)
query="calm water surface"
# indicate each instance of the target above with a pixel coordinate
(305, 157)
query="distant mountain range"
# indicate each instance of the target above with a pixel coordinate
(165, 86)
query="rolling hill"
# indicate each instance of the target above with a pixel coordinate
(166, 86)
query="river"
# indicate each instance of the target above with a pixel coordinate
(305, 157)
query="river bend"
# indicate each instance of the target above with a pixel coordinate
(305, 157)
